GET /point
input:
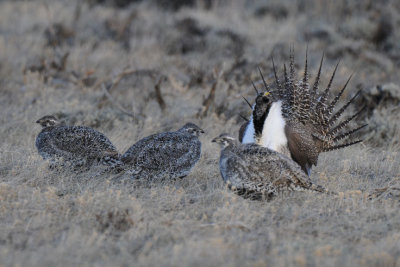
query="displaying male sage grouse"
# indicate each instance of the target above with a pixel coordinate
(258, 172)
(79, 145)
(164, 155)
(299, 121)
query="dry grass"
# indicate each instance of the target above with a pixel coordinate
(52, 218)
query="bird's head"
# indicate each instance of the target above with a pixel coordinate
(48, 121)
(263, 103)
(260, 110)
(192, 129)
(224, 140)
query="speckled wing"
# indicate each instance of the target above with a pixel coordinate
(169, 153)
(75, 141)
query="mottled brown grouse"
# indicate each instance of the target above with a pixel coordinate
(79, 145)
(258, 172)
(164, 155)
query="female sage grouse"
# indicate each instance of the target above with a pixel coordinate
(258, 172)
(79, 145)
(164, 155)
(297, 120)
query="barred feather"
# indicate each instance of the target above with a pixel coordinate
(330, 148)
(346, 134)
(323, 98)
(339, 113)
(291, 66)
(305, 77)
(277, 81)
(317, 79)
(304, 96)
(343, 124)
(336, 99)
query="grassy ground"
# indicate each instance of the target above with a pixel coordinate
(149, 67)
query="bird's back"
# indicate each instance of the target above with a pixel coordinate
(170, 152)
(260, 171)
(78, 141)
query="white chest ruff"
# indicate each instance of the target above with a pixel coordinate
(249, 133)
(273, 134)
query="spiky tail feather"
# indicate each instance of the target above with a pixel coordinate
(247, 101)
(330, 148)
(339, 113)
(346, 134)
(324, 96)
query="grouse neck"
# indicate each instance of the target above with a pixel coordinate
(273, 135)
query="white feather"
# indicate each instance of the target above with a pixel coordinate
(273, 134)
(249, 133)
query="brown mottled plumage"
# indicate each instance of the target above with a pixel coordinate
(164, 155)
(79, 145)
(258, 172)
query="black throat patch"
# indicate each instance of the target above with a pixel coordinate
(259, 118)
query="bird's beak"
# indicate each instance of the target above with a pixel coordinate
(202, 131)
(214, 140)
(37, 121)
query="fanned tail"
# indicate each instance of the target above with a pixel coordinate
(303, 103)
